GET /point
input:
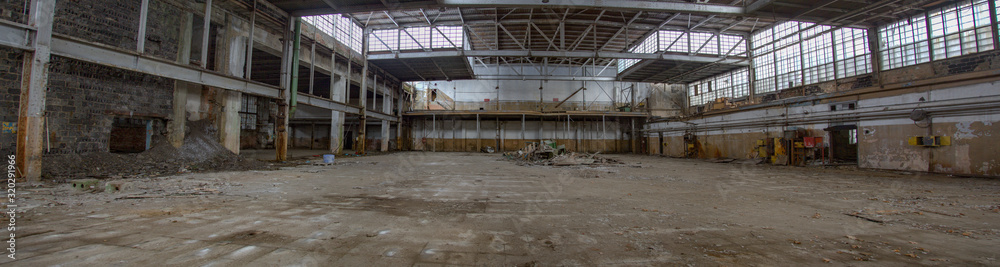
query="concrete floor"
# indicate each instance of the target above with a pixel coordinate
(430, 209)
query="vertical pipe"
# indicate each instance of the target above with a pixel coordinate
(522, 127)
(312, 67)
(604, 133)
(253, 26)
(206, 28)
(434, 132)
(143, 17)
(296, 45)
(479, 134)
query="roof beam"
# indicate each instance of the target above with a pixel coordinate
(652, 6)
(628, 24)
(559, 54)
(511, 36)
(757, 5)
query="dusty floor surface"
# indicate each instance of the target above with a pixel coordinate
(428, 209)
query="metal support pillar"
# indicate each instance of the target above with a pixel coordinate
(604, 134)
(873, 45)
(993, 25)
(336, 131)
(34, 80)
(387, 109)
(479, 134)
(541, 129)
(205, 30)
(312, 67)
(522, 127)
(253, 26)
(143, 17)
(281, 129)
(364, 89)
(434, 132)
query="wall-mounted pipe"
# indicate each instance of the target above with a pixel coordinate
(295, 66)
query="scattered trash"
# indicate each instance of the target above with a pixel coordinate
(488, 149)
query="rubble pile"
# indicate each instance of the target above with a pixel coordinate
(548, 153)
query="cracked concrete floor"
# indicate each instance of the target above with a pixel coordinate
(429, 209)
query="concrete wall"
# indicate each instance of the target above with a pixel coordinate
(461, 135)
(471, 94)
(964, 108)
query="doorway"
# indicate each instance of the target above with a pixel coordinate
(843, 144)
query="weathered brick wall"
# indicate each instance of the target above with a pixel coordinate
(113, 23)
(84, 98)
(10, 92)
(163, 30)
(13, 10)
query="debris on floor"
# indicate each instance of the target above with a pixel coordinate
(549, 153)
(201, 151)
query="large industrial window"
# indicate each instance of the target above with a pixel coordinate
(960, 29)
(684, 42)
(904, 43)
(817, 56)
(795, 53)
(452, 38)
(732, 45)
(787, 66)
(416, 38)
(852, 54)
(704, 43)
(734, 84)
(673, 41)
(248, 112)
(339, 27)
(383, 40)
(764, 73)
(624, 64)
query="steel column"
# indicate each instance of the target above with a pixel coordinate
(253, 26)
(143, 17)
(34, 80)
(205, 30)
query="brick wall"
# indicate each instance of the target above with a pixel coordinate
(13, 10)
(163, 30)
(113, 23)
(10, 92)
(84, 98)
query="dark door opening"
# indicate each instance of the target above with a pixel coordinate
(130, 135)
(844, 146)
(349, 140)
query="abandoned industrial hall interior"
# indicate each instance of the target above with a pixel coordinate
(500, 133)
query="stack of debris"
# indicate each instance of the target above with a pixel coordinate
(201, 151)
(549, 153)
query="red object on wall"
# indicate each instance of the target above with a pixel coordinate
(809, 141)
(555, 100)
(486, 100)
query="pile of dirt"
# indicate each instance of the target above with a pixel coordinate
(200, 152)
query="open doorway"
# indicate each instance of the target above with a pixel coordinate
(843, 144)
(130, 135)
